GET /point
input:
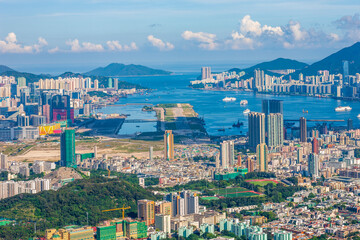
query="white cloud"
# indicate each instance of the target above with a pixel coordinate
(206, 40)
(297, 33)
(84, 46)
(249, 26)
(116, 46)
(131, 47)
(158, 43)
(54, 50)
(11, 45)
(239, 42)
(41, 43)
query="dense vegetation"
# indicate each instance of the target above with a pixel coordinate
(70, 204)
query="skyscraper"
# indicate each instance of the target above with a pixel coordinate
(151, 150)
(303, 130)
(275, 130)
(116, 83)
(67, 145)
(168, 145)
(349, 124)
(346, 71)
(313, 165)
(110, 85)
(262, 157)
(272, 106)
(21, 82)
(250, 164)
(146, 211)
(205, 72)
(315, 146)
(61, 109)
(227, 154)
(256, 129)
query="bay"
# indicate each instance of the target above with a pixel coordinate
(219, 114)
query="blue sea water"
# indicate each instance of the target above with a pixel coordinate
(219, 114)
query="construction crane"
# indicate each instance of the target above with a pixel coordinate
(117, 209)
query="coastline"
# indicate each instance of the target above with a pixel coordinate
(275, 94)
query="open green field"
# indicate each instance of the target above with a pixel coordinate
(262, 182)
(235, 192)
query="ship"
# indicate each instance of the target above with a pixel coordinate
(305, 111)
(238, 124)
(246, 111)
(243, 102)
(229, 99)
(343, 109)
(221, 130)
(358, 115)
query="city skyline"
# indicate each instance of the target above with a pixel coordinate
(163, 34)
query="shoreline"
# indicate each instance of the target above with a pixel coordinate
(276, 94)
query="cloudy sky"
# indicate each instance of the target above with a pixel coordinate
(179, 35)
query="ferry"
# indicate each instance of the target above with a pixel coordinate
(229, 99)
(243, 102)
(246, 111)
(343, 109)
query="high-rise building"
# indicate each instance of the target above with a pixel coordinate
(275, 130)
(349, 124)
(282, 235)
(61, 109)
(21, 82)
(163, 207)
(162, 222)
(256, 129)
(227, 154)
(116, 83)
(272, 106)
(183, 203)
(300, 153)
(96, 84)
(4, 164)
(250, 164)
(315, 146)
(303, 130)
(262, 157)
(313, 165)
(110, 83)
(67, 145)
(146, 211)
(238, 164)
(205, 72)
(168, 145)
(151, 151)
(346, 71)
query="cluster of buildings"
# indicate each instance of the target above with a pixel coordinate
(323, 83)
(31, 110)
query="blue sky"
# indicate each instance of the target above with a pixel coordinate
(76, 35)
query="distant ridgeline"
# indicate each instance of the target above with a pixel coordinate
(101, 73)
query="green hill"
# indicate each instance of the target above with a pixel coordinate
(70, 204)
(118, 69)
(4, 68)
(277, 64)
(334, 62)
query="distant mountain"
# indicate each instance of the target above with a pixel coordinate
(30, 78)
(118, 69)
(334, 62)
(4, 68)
(277, 64)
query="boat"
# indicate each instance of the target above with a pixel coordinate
(246, 111)
(243, 102)
(358, 115)
(343, 109)
(221, 130)
(238, 124)
(305, 111)
(229, 99)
